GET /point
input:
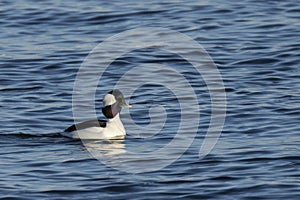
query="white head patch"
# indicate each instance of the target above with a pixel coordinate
(109, 99)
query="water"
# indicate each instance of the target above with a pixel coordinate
(256, 46)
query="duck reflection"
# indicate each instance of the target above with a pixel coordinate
(105, 148)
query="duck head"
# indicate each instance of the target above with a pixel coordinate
(113, 103)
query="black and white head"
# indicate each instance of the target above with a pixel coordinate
(113, 103)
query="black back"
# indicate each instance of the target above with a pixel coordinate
(87, 124)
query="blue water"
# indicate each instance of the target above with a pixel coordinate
(256, 46)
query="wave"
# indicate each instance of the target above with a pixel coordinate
(32, 135)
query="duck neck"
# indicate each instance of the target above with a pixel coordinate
(115, 119)
(117, 123)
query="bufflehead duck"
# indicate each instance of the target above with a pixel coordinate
(101, 129)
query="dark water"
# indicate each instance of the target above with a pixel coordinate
(256, 46)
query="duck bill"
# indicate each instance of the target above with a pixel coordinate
(126, 105)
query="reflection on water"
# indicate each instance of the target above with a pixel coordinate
(105, 149)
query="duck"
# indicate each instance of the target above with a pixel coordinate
(112, 128)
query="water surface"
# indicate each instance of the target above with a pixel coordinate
(256, 46)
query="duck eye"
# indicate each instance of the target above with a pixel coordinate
(119, 98)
